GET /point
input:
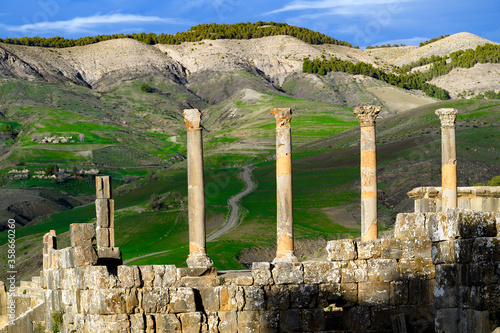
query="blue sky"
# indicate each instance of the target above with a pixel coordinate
(360, 22)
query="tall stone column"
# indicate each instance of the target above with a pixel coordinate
(198, 257)
(105, 224)
(369, 223)
(284, 252)
(449, 157)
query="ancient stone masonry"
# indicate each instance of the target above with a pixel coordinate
(196, 191)
(369, 217)
(284, 217)
(105, 224)
(449, 157)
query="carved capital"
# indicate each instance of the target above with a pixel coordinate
(367, 114)
(283, 116)
(447, 116)
(192, 117)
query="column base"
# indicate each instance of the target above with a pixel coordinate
(285, 257)
(199, 260)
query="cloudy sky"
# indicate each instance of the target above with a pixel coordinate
(360, 22)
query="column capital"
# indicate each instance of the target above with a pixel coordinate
(283, 116)
(367, 114)
(447, 116)
(192, 118)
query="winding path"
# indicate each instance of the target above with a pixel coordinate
(233, 202)
(233, 217)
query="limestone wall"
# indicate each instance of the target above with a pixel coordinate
(477, 198)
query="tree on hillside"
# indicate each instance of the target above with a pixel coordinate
(81, 137)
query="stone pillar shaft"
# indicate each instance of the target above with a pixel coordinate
(449, 157)
(105, 224)
(369, 215)
(284, 218)
(196, 192)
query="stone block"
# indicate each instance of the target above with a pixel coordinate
(393, 250)
(196, 271)
(212, 322)
(66, 258)
(129, 276)
(96, 277)
(416, 268)
(150, 324)
(170, 276)
(452, 251)
(249, 321)
(290, 321)
(373, 293)
(357, 318)
(464, 223)
(478, 321)
(451, 274)
(191, 322)
(200, 281)
(484, 298)
(278, 297)
(410, 225)
(269, 322)
(342, 249)
(448, 320)
(104, 213)
(102, 237)
(155, 300)
(68, 279)
(137, 323)
(103, 187)
(84, 256)
(288, 273)
(131, 300)
(181, 300)
(261, 273)
(254, 298)
(483, 273)
(422, 248)
(372, 249)
(228, 322)
(232, 298)
(438, 228)
(451, 296)
(486, 249)
(399, 293)
(109, 253)
(382, 270)
(159, 271)
(237, 278)
(313, 320)
(108, 323)
(303, 296)
(341, 294)
(210, 298)
(355, 271)
(82, 234)
(421, 291)
(321, 272)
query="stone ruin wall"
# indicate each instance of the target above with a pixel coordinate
(441, 270)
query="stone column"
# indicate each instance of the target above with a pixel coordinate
(449, 157)
(284, 218)
(198, 257)
(369, 223)
(105, 224)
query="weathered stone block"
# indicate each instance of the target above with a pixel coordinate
(321, 272)
(170, 276)
(254, 298)
(155, 300)
(196, 271)
(261, 273)
(104, 213)
(399, 293)
(191, 322)
(109, 253)
(357, 318)
(103, 187)
(486, 249)
(129, 276)
(200, 281)
(372, 249)
(410, 225)
(464, 223)
(150, 324)
(228, 322)
(313, 320)
(303, 296)
(382, 270)
(82, 234)
(438, 228)
(451, 274)
(269, 322)
(422, 248)
(66, 258)
(393, 250)
(181, 300)
(167, 323)
(451, 296)
(232, 298)
(478, 322)
(288, 273)
(108, 323)
(137, 323)
(448, 320)
(84, 256)
(238, 278)
(278, 297)
(96, 277)
(373, 293)
(342, 294)
(421, 291)
(212, 322)
(483, 273)
(355, 271)
(102, 237)
(453, 251)
(131, 300)
(210, 298)
(416, 268)
(249, 321)
(290, 321)
(342, 249)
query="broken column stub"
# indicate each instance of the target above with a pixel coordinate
(49, 244)
(449, 157)
(105, 224)
(196, 192)
(285, 248)
(369, 224)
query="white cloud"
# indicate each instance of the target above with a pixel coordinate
(83, 24)
(328, 4)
